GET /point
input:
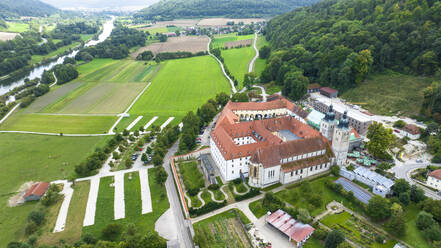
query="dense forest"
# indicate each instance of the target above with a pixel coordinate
(171, 9)
(17, 8)
(339, 42)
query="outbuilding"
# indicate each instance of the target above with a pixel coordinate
(329, 92)
(36, 191)
(411, 131)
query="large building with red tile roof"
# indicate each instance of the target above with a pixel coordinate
(267, 142)
(296, 231)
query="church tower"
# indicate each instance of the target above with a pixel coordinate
(327, 125)
(340, 140)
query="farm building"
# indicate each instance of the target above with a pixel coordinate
(329, 92)
(434, 179)
(36, 191)
(411, 131)
(296, 231)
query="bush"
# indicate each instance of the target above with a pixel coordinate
(237, 181)
(209, 207)
(214, 186)
(111, 232)
(31, 227)
(193, 191)
(36, 216)
(252, 193)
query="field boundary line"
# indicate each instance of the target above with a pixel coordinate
(233, 88)
(8, 114)
(134, 122)
(128, 108)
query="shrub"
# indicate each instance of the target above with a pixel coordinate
(193, 191)
(37, 217)
(209, 207)
(237, 181)
(111, 232)
(52, 195)
(31, 227)
(214, 186)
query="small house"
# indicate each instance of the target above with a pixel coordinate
(313, 88)
(434, 179)
(36, 191)
(329, 92)
(411, 131)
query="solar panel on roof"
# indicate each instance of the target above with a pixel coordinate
(359, 193)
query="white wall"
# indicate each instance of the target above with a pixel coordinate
(434, 183)
(303, 173)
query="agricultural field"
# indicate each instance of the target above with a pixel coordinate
(223, 21)
(222, 230)
(16, 27)
(237, 61)
(144, 222)
(47, 158)
(220, 40)
(191, 44)
(389, 93)
(4, 36)
(238, 43)
(180, 86)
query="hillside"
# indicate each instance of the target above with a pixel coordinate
(172, 9)
(17, 8)
(340, 42)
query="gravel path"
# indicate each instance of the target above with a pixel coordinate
(119, 202)
(233, 88)
(62, 214)
(150, 122)
(145, 191)
(170, 119)
(89, 217)
(134, 122)
(251, 66)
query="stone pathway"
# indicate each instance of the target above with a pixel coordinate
(134, 122)
(200, 199)
(150, 122)
(243, 193)
(145, 191)
(119, 202)
(89, 217)
(212, 197)
(62, 214)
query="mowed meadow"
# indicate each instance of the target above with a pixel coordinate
(89, 104)
(35, 158)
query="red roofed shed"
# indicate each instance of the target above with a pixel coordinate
(36, 191)
(329, 92)
(295, 230)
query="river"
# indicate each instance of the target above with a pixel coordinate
(38, 71)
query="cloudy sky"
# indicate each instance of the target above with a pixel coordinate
(63, 4)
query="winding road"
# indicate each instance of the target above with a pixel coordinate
(233, 88)
(251, 66)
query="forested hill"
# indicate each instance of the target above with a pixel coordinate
(338, 42)
(172, 9)
(17, 8)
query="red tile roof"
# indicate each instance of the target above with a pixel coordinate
(329, 90)
(412, 129)
(436, 174)
(37, 189)
(289, 226)
(314, 86)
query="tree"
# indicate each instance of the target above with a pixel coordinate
(303, 215)
(378, 208)
(222, 98)
(433, 232)
(424, 220)
(47, 77)
(36, 216)
(52, 195)
(264, 52)
(397, 224)
(416, 194)
(335, 170)
(157, 160)
(404, 198)
(160, 175)
(144, 157)
(400, 186)
(399, 124)
(240, 97)
(334, 238)
(295, 85)
(249, 79)
(112, 232)
(380, 140)
(362, 65)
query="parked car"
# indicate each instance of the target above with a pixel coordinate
(134, 157)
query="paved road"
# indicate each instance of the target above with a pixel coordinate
(403, 170)
(184, 236)
(251, 66)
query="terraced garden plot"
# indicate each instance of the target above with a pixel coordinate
(67, 124)
(180, 86)
(222, 230)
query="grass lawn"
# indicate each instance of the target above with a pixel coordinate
(144, 223)
(272, 88)
(39, 58)
(313, 243)
(86, 37)
(47, 158)
(180, 86)
(413, 236)
(58, 123)
(260, 64)
(222, 230)
(104, 206)
(160, 30)
(390, 93)
(75, 217)
(191, 175)
(257, 209)
(16, 27)
(237, 61)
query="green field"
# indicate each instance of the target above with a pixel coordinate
(180, 86)
(86, 37)
(260, 64)
(237, 61)
(144, 222)
(159, 30)
(389, 93)
(222, 230)
(219, 40)
(33, 158)
(68, 124)
(60, 51)
(16, 27)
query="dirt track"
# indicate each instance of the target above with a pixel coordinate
(191, 44)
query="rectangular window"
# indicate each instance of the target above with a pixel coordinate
(292, 173)
(297, 172)
(321, 166)
(311, 168)
(301, 171)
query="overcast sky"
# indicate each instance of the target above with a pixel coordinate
(98, 3)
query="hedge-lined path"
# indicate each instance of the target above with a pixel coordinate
(243, 193)
(214, 199)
